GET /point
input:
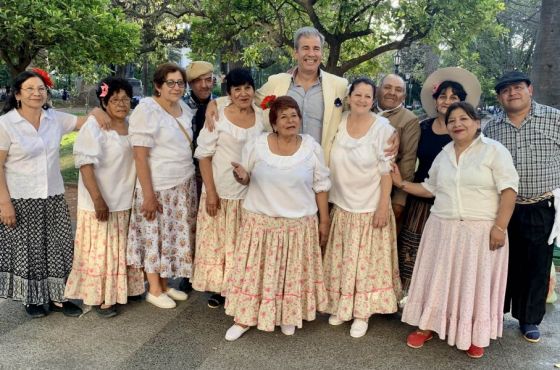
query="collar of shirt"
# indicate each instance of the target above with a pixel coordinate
(14, 117)
(536, 110)
(319, 80)
(449, 148)
(388, 111)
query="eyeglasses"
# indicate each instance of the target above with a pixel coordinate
(172, 83)
(124, 101)
(30, 90)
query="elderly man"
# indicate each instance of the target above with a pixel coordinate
(531, 132)
(390, 98)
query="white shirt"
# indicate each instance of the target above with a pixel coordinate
(284, 186)
(357, 166)
(113, 163)
(224, 145)
(470, 189)
(32, 167)
(170, 155)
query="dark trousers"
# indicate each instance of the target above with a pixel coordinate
(530, 258)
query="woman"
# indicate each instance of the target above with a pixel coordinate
(459, 280)
(363, 224)
(278, 275)
(162, 223)
(36, 245)
(441, 89)
(105, 187)
(219, 214)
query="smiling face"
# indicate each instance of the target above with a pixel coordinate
(445, 99)
(392, 92)
(361, 98)
(309, 54)
(242, 96)
(516, 98)
(33, 93)
(461, 127)
(174, 93)
(202, 86)
(118, 105)
(287, 123)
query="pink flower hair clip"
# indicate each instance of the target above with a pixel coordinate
(104, 90)
(435, 87)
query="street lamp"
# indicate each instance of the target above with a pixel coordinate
(408, 82)
(397, 61)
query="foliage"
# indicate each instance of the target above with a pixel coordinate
(67, 168)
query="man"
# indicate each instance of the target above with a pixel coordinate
(531, 132)
(390, 99)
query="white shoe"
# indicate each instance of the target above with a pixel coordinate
(176, 295)
(161, 301)
(334, 320)
(235, 332)
(358, 328)
(288, 329)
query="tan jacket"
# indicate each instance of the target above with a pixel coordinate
(408, 128)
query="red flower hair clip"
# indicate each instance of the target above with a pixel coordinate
(267, 101)
(45, 77)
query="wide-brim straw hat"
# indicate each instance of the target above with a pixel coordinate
(467, 79)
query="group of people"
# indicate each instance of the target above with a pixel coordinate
(299, 197)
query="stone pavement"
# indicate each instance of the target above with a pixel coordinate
(192, 337)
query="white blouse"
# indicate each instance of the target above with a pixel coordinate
(170, 157)
(357, 166)
(470, 189)
(284, 186)
(32, 167)
(113, 162)
(224, 144)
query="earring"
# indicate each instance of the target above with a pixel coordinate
(157, 93)
(18, 104)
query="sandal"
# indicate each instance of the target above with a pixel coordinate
(417, 339)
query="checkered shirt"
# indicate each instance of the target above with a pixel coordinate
(534, 146)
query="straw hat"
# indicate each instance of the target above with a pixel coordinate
(197, 69)
(462, 76)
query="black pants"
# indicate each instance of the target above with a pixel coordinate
(530, 258)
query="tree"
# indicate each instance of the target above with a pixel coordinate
(75, 36)
(546, 59)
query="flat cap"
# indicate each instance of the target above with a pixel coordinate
(197, 69)
(509, 78)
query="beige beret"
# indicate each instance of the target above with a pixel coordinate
(197, 69)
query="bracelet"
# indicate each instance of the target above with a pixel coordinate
(499, 228)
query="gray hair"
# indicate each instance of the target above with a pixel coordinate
(307, 32)
(393, 75)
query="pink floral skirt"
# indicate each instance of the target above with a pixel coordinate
(164, 245)
(278, 275)
(458, 284)
(361, 266)
(215, 244)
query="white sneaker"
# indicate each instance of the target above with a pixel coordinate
(161, 301)
(358, 328)
(334, 320)
(235, 332)
(176, 295)
(288, 329)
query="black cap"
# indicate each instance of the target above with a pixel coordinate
(510, 78)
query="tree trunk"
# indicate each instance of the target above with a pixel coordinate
(546, 59)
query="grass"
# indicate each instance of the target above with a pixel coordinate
(69, 172)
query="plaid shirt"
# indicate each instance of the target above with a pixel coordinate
(534, 146)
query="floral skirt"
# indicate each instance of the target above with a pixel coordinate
(99, 273)
(278, 275)
(36, 255)
(361, 266)
(215, 244)
(164, 245)
(459, 284)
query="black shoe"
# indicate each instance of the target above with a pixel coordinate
(216, 301)
(134, 298)
(106, 312)
(185, 285)
(68, 309)
(35, 310)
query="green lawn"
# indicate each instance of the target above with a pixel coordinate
(69, 172)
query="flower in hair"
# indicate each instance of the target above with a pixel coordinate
(44, 76)
(267, 101)
(434, 88)
(104, 90)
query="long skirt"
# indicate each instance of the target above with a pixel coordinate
(459, 284)
(164, 245)
(215, 244)
(36, 255)
(417, 213)
(361, 266)
(99, 273)
(278, 274)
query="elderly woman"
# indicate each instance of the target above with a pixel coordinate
(278, 274)
(363, 225)
(162, 223)
(459, 280)
(441, 89)
(105, 187)
(219, 214)
(36, 247)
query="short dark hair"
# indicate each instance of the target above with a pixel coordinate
(456, 87)
(362, 80)
(282, 103)
(11, 101)
(466, 107)
(239, 77)
(164, 69)
(115, 84)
